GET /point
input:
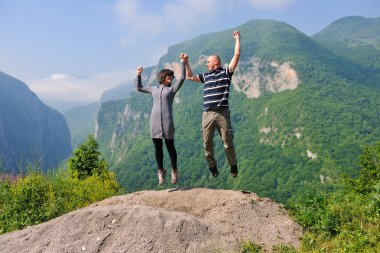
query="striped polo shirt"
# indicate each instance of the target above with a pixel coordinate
(216, 88)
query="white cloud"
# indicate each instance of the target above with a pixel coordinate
(181, 16)
(58, 89)
(269, 4)
(136, 20)
(126, 41)
(172, 19)
(174, 16)
(58, 76)
(162, 25)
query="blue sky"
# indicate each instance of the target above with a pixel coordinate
(70, 51)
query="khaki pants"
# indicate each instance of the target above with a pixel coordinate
(220, 119)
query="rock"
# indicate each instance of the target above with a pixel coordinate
(174, 220)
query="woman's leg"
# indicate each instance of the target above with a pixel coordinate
(160, 160)
(159, 153)
(172, 152)
(173, 158)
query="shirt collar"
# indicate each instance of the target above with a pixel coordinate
(216, 70)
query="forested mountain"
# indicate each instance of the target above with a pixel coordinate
(30, 131)
(300, 113)
(81, 122)
(120, 92)
(356, 38)
(81, 119)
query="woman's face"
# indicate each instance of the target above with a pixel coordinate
(168, 80)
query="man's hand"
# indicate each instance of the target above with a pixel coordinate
(184, 57)
(236, 34)
(235, 59)
(139, 70)
(189, 74)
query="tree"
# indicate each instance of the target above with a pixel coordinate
(86, 160)
(369, 175)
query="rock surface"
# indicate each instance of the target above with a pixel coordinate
(174, 220)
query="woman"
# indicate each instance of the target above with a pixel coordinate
(161, 118)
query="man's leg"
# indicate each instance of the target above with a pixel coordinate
(223, 125)
(208, 128)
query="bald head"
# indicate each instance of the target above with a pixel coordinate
(213, 62)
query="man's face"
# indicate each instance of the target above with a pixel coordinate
(212, 63)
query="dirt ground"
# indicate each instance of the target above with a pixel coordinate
(173, 220)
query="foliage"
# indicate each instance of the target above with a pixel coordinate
(72, 193)
(86, 160)
(369, 176)
(249, 247)
(38, 197)
(348, 220)
(284, 249)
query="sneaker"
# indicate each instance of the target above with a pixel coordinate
(234, 171)
(214, 171)
(161, 176)
(174, 176)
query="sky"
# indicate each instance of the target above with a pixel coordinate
(69, 51)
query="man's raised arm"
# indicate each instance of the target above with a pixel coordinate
(235, 59)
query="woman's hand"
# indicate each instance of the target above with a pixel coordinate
(139, 70)
(184, 57)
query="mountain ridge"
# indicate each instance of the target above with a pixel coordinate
(355, 38)
(30, 131)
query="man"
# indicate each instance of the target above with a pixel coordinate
(216, 112)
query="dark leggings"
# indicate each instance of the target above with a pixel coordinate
(160, 154)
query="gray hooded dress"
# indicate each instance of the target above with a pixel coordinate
(161, 117)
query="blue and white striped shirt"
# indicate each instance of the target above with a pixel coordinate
(216, 88)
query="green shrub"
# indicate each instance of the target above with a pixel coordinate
(26, 202)
(284, 249)
(369, 175)
(348, 220)
(249, 247)
(37, 197)
(72, 193)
